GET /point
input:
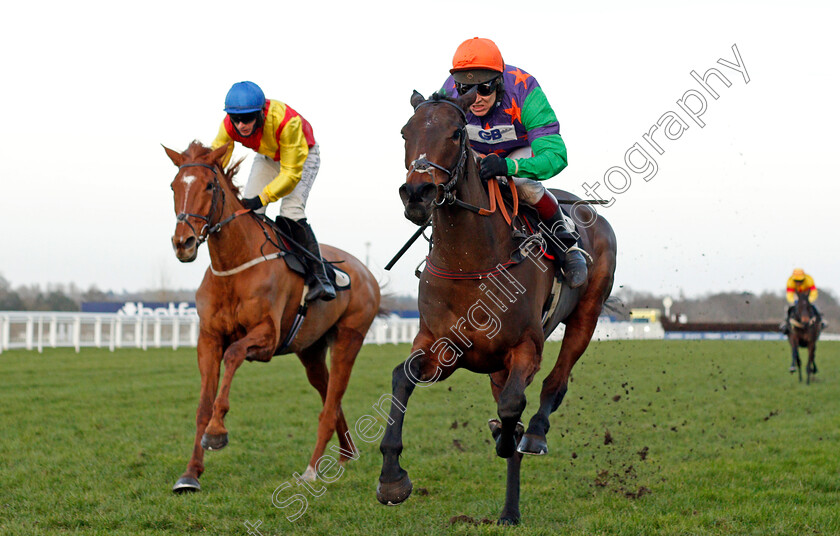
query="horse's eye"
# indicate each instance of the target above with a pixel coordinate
(457, 135)
(209, 186)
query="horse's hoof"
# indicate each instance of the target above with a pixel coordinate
(531, 444)
(792, 370)
(309, 475)
(495, 426)
(508, 520)
(186, 484)
(393, 493)
(214, 442)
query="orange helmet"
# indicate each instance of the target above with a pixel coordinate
(476, 61)
(798, 274)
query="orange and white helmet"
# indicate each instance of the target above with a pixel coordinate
(798, 274)
(476, 61)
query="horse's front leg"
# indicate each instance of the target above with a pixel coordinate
(421, 367)
(258, 342)
(523, 364)
(794, 355)
(209, 363)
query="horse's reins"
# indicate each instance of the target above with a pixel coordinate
(207, 230)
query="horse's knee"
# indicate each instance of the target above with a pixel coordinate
(511, 405)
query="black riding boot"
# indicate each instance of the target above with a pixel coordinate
(320, 286)
(564, 245)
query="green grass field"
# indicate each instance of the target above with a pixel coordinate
(706, 438)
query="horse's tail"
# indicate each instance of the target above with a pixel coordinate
(383, 312)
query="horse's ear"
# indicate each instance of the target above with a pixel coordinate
(467, 99)
(416, 99)
(176, 157)
(216, 156)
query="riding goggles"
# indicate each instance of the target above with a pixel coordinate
(243, 118)
(484, 89)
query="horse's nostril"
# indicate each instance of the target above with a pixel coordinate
(189, 242)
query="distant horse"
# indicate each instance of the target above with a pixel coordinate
(479, 310)
(805, 328)
(248, 304)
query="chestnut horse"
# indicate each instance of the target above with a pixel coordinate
(247, 307)
(805, 328)
(478, 310)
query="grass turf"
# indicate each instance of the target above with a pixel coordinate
(654, 437)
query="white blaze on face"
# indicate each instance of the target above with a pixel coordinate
(187, 180)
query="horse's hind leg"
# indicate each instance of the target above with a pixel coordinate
(575, 341)
(343, 351)
(314, 362)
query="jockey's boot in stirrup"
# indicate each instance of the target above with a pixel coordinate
(320, 286)
(564, 244)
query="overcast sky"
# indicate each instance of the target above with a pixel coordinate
(92, 89)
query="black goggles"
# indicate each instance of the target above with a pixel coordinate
(243, 118)
(484, 89)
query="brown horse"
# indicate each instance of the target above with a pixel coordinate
(247, 307)
(478, 310)
(805, 328)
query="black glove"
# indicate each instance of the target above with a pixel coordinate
(492, 166)
(252, 202)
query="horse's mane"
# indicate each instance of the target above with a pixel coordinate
(198, 150)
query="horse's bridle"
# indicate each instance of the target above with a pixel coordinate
(424, 165)
(207, 229)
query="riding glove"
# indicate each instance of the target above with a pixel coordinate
(492, 166)
(252, 203)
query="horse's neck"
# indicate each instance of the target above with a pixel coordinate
(464, 240)
(237, 242)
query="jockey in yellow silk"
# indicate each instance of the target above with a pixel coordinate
(285, 167)
(799, 282)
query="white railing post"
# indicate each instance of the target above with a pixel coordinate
(139, 335)
(118, 332)
(40, 334)
(176, 332)
(77, 334)
(157, 332)
(53, 331)
(97, 332)
(194, 331)
(29, 326)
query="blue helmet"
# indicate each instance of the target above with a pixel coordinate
(243, 98)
